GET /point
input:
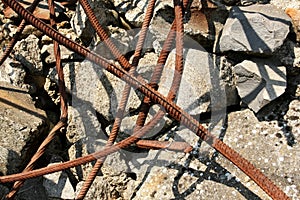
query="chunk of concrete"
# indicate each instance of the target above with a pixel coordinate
(58, 184)
(259, 82)
(22, 127)
(256, 29)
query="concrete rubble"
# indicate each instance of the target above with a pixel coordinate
(241, 81)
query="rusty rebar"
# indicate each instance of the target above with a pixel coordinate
(59, 68)
(176, 112)
(170, 145)
(126, 91)
(103, 35)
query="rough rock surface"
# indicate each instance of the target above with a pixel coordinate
(3, 190)
(121, 38)
(265, 144)
(47, 53)
(108, 187)
(29, 54)
(32, 189)
(22, 128)
(288, 55)
(136, 14)
(4, 30)
(210, 176)
(85, 134)
(230, 2)
(101, 90)
(160, 28)
(259, 82)
(296, 60)
(69, 75)
(12, 72)
(204, 22)
(202, 81)
(248, 29)
(122, 6)
(286, 4)
(293, 118)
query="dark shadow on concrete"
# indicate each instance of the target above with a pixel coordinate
(22, 108)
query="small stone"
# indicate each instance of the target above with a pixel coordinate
(259, 82)
(27, 51)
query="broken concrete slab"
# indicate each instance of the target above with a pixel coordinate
(22, 127)
(256, 29)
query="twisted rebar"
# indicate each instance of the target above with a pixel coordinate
(157, 72)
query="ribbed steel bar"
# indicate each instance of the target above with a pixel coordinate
(124, 99)
(59, 68)
(103, 35)
(18, 33)
(173, 146)
(176, 112)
